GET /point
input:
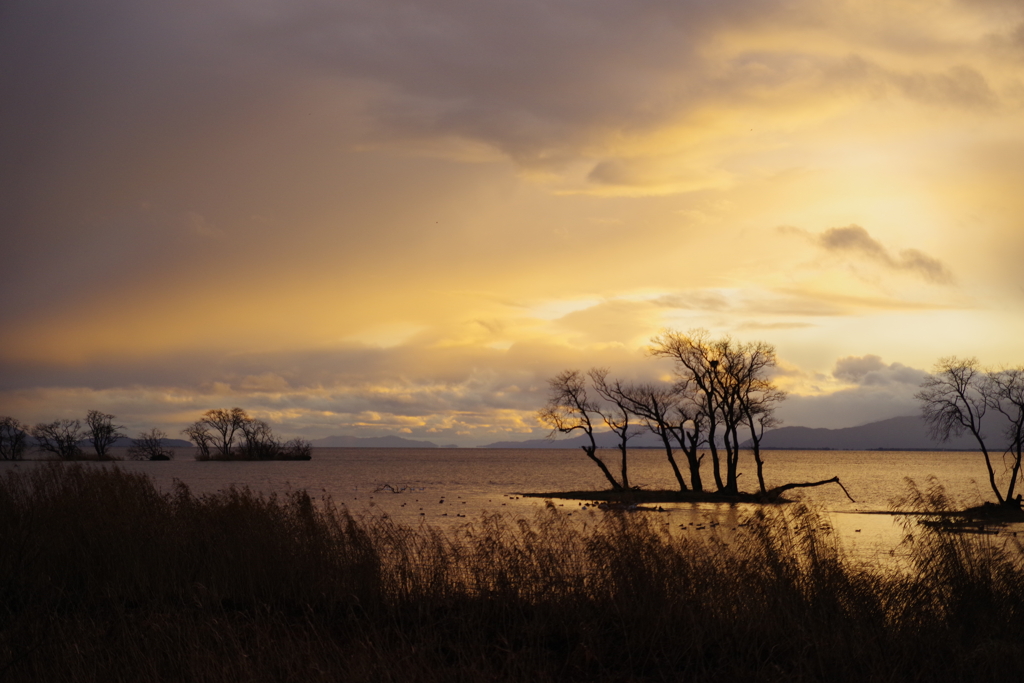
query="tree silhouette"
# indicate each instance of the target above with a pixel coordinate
(199, 433)
(224, 425)
(258, 441)
(568, 409)
(615, 414)
(149, 446)
(1005, 394)
(59, 437)
(13, 437)
(657, 407)
(727, 386)
(231, 434)
(959, 397)
(721, 387)
(756, 396)
(954, 401)
(102, 432)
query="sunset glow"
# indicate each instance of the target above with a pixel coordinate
(379, 217)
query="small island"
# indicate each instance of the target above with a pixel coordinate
(723, 388)
(231, 434)
(637, 496)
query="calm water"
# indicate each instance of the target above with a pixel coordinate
(444, 487)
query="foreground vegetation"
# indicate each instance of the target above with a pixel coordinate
(102, 577)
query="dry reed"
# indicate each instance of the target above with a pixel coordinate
(102, 577)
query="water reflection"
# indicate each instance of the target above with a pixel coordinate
(450, 487)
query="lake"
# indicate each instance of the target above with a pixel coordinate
(445, 487)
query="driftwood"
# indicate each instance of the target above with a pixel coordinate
(774, 493)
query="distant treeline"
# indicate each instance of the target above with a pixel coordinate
(220, 434)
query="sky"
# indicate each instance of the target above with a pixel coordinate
(374, 217)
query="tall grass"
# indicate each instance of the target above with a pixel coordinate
(102, 577)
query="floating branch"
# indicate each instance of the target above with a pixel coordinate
(388, 488)
(775, 493)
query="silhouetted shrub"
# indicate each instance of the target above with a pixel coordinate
(13, 439)
(150, 446)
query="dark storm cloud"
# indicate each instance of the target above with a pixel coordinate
(535, 79)
(870, 370)
(853, 239)
(120, 118)
(541, 81)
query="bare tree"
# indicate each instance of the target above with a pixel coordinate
(728, 374)
(298, 449)
(59, 437)
(954, 400)
(760, 417)
(258, 441)
(568, 409)
(655, 406)
(223, 434)
(697, 358)
(102, 432)
(1004, 392)
(757, 396)
(688, 429)
(149, 446)
(224, 424)
(616, 414)
(13, 438)
(726, 387)
(199, 433)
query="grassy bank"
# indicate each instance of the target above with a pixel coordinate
(104, 578)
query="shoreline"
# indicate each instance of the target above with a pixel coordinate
(987, 512)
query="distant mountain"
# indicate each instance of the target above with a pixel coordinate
(604, 440)
(370, 442)
(897, 434)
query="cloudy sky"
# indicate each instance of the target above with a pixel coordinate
(376, 217)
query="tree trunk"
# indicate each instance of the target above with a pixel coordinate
(1013, 474)
(690, 451)
(716, 467)
(694, 461)
(732, 459)
(760, 466)
(672, 460)
(590, 451)
(625, 473)
(988, 464)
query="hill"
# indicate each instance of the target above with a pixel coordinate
(604, 440)
(370, 442)
(907, 433)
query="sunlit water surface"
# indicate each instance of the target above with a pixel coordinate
(446, 487)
